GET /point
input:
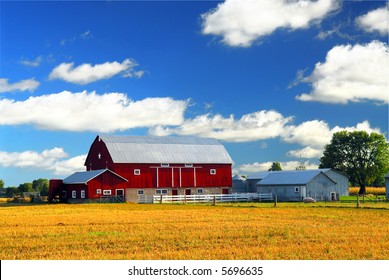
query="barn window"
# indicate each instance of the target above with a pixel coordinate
(74, 194)
(98, 191)
(82, 194)
(161, 191)
(106, 192)
(141, 192)
(188, 165)
(137, 172)
(296, 189)
(164, 164)
(200, 191)
(212, 171)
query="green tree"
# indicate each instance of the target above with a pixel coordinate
(41, 186)
(25, 187)
(362, 156)
(276, 166)
(1, 184)
(11, 191)
(301, 166)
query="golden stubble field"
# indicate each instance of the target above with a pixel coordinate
(195, 232)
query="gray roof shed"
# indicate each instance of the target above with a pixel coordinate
(295, 177)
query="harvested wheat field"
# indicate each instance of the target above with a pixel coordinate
(195, 232)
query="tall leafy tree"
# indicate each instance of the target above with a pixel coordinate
(362, 156)
(25, 187)
(276, 166)
(41, 186)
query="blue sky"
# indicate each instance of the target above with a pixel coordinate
(272, 80)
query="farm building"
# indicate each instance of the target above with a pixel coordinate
(387, 186)
(133, 166)
(320, 184)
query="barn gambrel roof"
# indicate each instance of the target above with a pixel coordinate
(169, 149)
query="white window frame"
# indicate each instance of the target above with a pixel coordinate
(212, 171)
(188, 164)
(98, 191)
(136, 172)
(165, 165)
(74, 194)
(141, 192)
(107, 192)
(161, 192)
(296, 189)
(200, 191)
(82, 193)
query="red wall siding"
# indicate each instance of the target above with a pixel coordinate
(93, 161)
(78, 188)
(106, 181)
(167, 178)
(55, 188)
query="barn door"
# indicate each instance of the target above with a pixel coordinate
(174, 192)
(119, 192)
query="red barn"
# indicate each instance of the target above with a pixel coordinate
(151, 165)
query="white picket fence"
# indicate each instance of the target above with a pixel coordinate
(206, 198)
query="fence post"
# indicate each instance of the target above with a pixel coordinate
(275, 201)
(358, 204)
(160, 199)
(214, 200)
(363, 197)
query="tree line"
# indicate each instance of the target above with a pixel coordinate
(39, 185)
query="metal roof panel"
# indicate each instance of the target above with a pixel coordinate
(172, 149)
(295, 177)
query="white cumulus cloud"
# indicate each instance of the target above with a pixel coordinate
(23, 85)
(87, 73)
(351, 74)
(55, 160)
(250, 127)
(314, 135)
(84, 111)
(241, 22)
(375, 21)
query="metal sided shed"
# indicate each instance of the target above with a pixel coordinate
(296, 185)
(94, 185)
(341, 180)
(239, 184)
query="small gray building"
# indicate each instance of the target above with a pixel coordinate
(239, 184)
(387, 186)
(296, 185)
(320, 184)
(248, 184)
